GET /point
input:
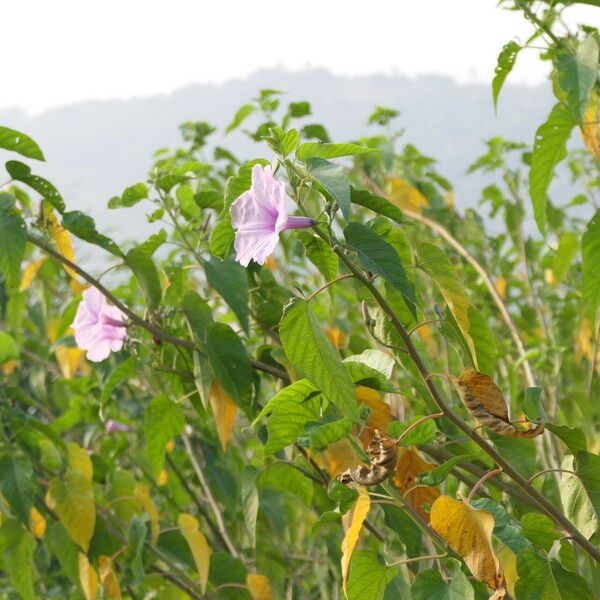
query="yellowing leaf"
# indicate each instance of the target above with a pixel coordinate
(224, 411)
(142, 494)
(405, 196)
(381, 413)
(486, 403)
(426, 335)
(469, 533)
(9, 367)
(108, 578)
(409, 465)
(62, 239)
(29, 273)
(340, 457)
(170, 446)
(88, 578)
(38, 523)
(259, 587)
(500, 285)
(550, 277)
(69, 359)
(163, 478)
(591, 126)
(201, 551)
(508, 563)
(73, 498)
(583, 342)
(337, 338)
(353, 521)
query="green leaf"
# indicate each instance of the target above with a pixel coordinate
(17, 547)
(13, 237)
(8, 348)
(568, 248)
(320, 437)
(577, 74)
(299, 109)
(315, 131)
(422, 434)
(543, 579)
(230, 281)
(308, 350)
(438, 475)
(576, 501)
(378, 204)
(588, 471)
(198, 313)
(317, 150)
(139, 260)
(21, 172)
(123, 371)
(320, 254)
(163, 420)
(285, 478)
(342, 494)
(326, 518)
(506, 61)
(368, 576)
(590, 266)
(377, 256)
(83, 226)
(434, 261)
(290, 409)
(130, 196)
(541, 531)
(222, 236)
(65, 550)
(334, 181)
(136, 537)
(230, 364)
(250, 503)
(484, 341)
(549, 148)
(16, 483)
(430, 585)
(282, 142)
(573, 437)
(241, 115)
(532, 404)
(13, 140)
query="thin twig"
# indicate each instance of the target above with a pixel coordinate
(481, 482)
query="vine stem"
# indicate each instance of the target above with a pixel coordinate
(405, 561)
(540, 473)
(416, 424)
(326, 285)
(481, 482)
(511, 472)
(136, 319)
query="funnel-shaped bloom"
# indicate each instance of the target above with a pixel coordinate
(260, 215)
(111, 426)
(99, 327)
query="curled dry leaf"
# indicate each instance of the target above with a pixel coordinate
(383, 453)
(353, 521)
(469, 533)
(486, 403)
(409, 465)
(259, 587)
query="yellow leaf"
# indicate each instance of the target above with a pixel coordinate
(591, 127)
(259, 587)
(271, 263)
(550, 277)
(29, 273)
(409, 465)
(340, 457)
(170, 446)
(9, 367)
(69, 359)
(201, 551)
(500, 285)
(88, 578)
(381, 413)
(486, 403)
(583, 342)
(38, 523)
(108, 578)
(163, 478)
(62, 239)
(73, 498)
(469, 533)
(353, 521)
(336, 337)
(224, 411)
(426, 335)
(508, 564)
(405, 196)
(142, 494)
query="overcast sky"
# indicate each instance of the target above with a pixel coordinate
(63, 51)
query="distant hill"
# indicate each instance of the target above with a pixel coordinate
(95, 149)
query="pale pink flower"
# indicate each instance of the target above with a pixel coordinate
(99, 326)
(112, 426)
(259, 215)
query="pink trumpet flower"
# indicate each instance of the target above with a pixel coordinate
(112, 426)
(259, 215)
(99, 327)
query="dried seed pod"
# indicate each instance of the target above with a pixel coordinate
(383, 453)
(486, 403)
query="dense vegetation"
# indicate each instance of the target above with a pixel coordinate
(385, 401)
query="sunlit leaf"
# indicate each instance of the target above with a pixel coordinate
(199, 547)
(108, 578)
(259, 587)
(10, 139)
(224, 411)
(353, 522)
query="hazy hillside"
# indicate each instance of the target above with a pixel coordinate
(95, 149)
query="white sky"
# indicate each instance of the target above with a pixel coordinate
(63, 51)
